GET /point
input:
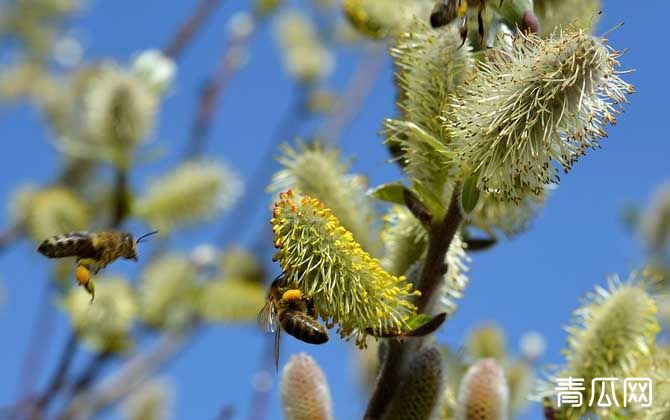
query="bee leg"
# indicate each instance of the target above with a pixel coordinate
(90, 288)
(463, 31)
(83, 275)
(277, 349)
(480, 21)
(311, 310)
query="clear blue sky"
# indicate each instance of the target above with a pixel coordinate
(530, 283)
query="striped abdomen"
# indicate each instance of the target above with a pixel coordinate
(73, 244)
(303, 327)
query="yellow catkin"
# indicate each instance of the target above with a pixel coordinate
(321, 258)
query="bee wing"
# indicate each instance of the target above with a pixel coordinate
(267, 318)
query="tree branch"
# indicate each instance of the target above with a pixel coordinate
(190, 27)
(441, 234)
(212, 91)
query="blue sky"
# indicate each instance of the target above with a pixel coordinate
(532, 282)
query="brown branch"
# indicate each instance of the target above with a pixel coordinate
(247, 205)
(356, 93)
(40, 336)
(441, 234)
(190, 27)
(9, 237)
(127, 379)
(58, 379)
(212, 91)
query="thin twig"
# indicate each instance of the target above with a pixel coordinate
(247, 206)
(441, 234)
(212, 91)
(356, 93)
(58, 379)
(260, 398)
(9, 237)
(40, 336)
(190, 27)
(128, 378)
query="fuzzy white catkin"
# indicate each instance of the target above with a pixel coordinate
(192, 192)
(150, 401)
(483, 393)
(156, 69)
(305, 56)
(527, 114)
(167, 291)
(119, 109)
(304, 391)
(321, 172)
(104, 324)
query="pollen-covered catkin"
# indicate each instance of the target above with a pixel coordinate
(167, 292)
(528, 113)
(152, 400)
(380, 18)
(556, 14)
(52, 211)
(611, 335)
(305, 56)
(431, 66)
(105, 324)
(304, 391)
(348, 286)
(318, 171)
(420, 391)
(191, 192)
(483, 393)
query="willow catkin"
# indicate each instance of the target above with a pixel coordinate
(483, 393)
(421, 389)
(304, 391)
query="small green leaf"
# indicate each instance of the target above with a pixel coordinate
(428, 198)
(391, 193)
(418, 321)
(469, 194)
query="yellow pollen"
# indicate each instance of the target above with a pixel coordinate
(292, 295)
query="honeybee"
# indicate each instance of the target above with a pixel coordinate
(93, 250)
(289, 310)
(446, 11)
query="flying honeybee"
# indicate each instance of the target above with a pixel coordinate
(446, 11)
(289, 310)
(93, 251)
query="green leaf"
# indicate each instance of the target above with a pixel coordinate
(429, 199)
(391, 193)
(470, 194)
(418, 321)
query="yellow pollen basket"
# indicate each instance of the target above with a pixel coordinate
(292, 295)
(82, 274)
(463, 8)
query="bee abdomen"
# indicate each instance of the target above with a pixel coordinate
(73, 244)
(303, 327)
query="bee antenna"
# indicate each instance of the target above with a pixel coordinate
(145, 235)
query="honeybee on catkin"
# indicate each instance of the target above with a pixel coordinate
(289, 310)
(93, 251)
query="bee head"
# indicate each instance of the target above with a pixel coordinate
(130, 244)
(129, 247)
